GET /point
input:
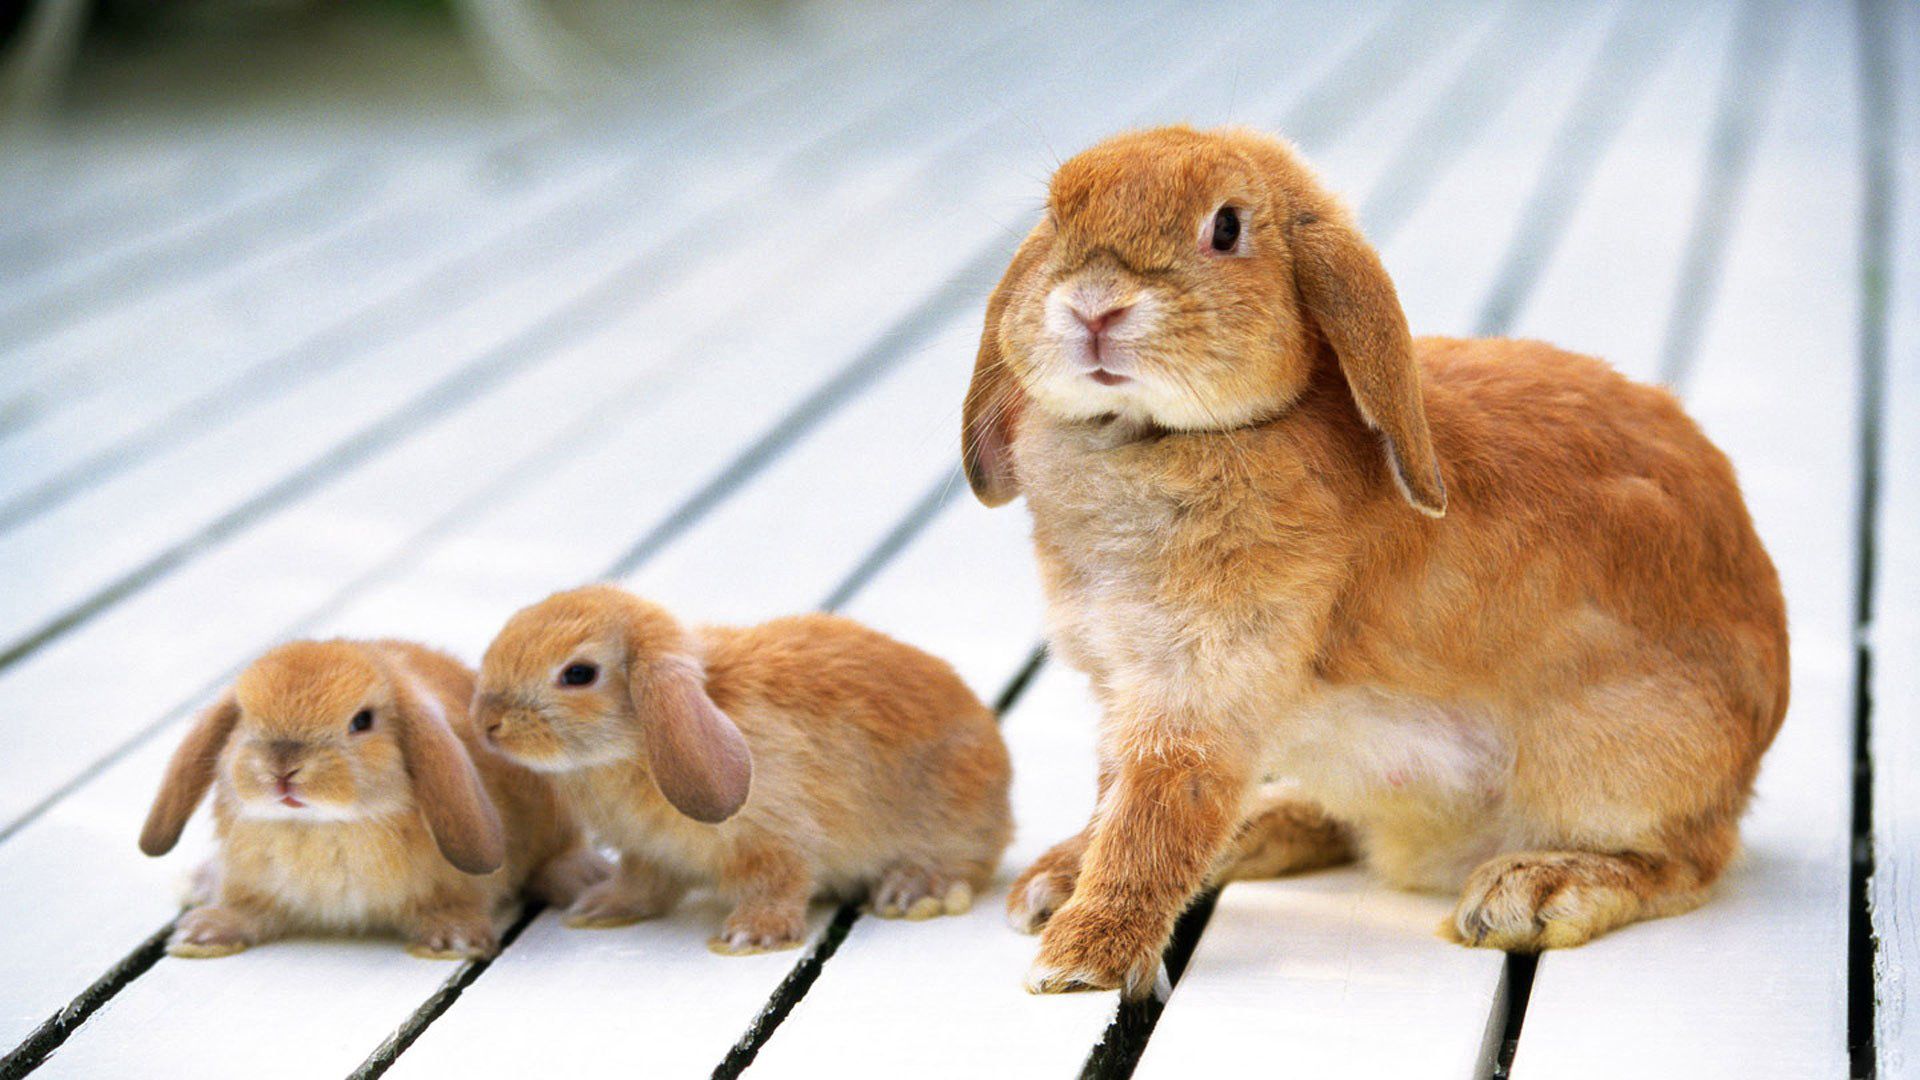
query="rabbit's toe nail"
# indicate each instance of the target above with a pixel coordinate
(1044, 978)
(749, 942)
(746, 933)
(454, 941)
(925, 908)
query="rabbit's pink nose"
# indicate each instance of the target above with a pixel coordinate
(1095, 324)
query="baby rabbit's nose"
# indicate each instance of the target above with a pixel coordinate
(1101, 321)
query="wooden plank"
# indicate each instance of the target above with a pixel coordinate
(1776, 931)
(695, 95)
(35, 236)
(150, 368)
(293, 200)
(1313, 964)
(146, 528)
(141, 210)
(945, 997)
(1612, 284)
(1470, 220)
(121, 387)
(1895, 640)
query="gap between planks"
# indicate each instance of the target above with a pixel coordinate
(1876, 27)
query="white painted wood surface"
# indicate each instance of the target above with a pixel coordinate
(662, 153)
(1895, 633)
(689, 400)
(1754, 983)
(144, 508)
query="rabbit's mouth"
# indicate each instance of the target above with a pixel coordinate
(1108, 378)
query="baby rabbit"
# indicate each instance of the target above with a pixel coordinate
(350, 794)
(804, 756)
(1496, 615)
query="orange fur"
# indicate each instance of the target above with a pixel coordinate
(383, 814)
(875, 771)
(1573, 656)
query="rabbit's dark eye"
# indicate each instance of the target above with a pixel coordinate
(1226, 229)
(579, 675)
(362, 721)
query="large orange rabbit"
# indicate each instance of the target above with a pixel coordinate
(1489, 614)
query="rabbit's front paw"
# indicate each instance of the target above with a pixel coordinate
(1046, 885)
(1087, 948)
(207, 932)
(618, 901)
(453, 937)
(565, 878)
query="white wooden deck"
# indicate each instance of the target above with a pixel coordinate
(279, 377)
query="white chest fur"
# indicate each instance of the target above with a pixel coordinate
(1358, 751)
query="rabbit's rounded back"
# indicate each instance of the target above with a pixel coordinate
(883, 744)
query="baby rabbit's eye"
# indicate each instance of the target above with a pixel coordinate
(362, 721)
(579, 675)
(1226, 229)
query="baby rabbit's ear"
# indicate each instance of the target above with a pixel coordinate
(1352, 300)
(460, 814)
(698, 756)
(189, 775)
(995, 399)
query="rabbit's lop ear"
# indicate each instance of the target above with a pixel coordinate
(699, 758)
(189, 775)
(995, 398)
(460, 814)
(1350, 297)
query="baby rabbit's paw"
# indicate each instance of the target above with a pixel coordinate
(1546, 900)
(1046, 885)
(915, 892)
(619, 901)
(207, 932)
(453, 937)
(565, 878)
(758, 931)
(1086, 948)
